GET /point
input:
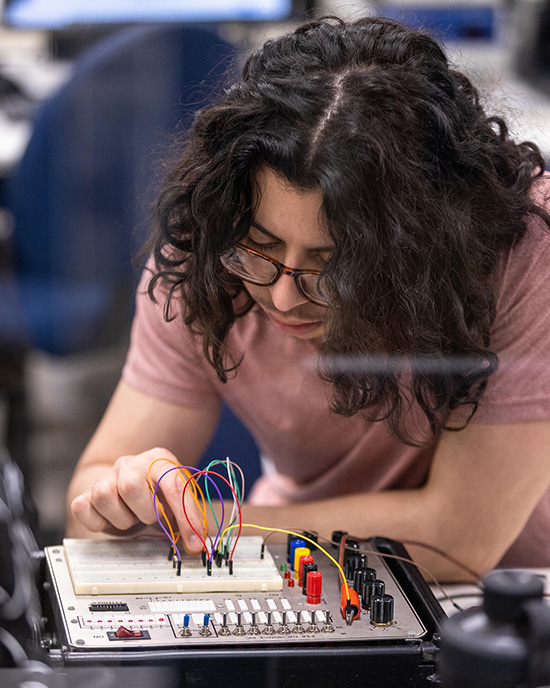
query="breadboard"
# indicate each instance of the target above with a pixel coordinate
(110, 567)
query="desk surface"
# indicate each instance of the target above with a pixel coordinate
(468, 595)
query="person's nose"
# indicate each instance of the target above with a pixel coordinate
(285, 295)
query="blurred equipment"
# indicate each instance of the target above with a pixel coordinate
(74, 25)
(14, 101)
(64, 13)
(20, 612)
(503, 644)
(533, 41)
(77, 206)
(465, 21)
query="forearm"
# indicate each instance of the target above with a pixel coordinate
(476, 502)
(400, 515)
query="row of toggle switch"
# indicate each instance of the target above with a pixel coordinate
(303, 622)
(251, 617)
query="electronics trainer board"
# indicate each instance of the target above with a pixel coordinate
(124, 595)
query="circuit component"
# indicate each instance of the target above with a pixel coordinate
(108, 607)
(140, 567)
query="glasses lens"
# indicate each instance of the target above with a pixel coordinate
(249, 267)
(311, 288)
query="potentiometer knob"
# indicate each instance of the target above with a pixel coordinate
(381, 610)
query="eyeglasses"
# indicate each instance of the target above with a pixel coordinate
(258, 268)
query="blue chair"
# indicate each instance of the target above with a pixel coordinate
(80, 196)
(233, 440)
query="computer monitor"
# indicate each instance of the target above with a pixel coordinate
(64, 14)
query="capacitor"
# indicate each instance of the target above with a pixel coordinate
(314, 587)
(381, 610)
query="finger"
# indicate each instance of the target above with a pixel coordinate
(168, 484)
(107, 502)
(83, 510)
(134, 490)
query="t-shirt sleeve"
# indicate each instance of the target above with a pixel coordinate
(165, 359)
(520, 389)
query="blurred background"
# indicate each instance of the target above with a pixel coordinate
(90, 91)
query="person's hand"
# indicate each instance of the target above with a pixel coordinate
(120, 501)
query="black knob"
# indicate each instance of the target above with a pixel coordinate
(370, 589)
(505, 593)
(354, 562)
(337, 536)
(504, 643)
(381, 609)
(351, 545)
(310, 535)
(362, 576)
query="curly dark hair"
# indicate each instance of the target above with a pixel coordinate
(421, 189)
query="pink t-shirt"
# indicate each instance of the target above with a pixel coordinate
(317, 453)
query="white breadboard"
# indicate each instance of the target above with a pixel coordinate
(105, 567)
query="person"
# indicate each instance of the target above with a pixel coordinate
(354, 256)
